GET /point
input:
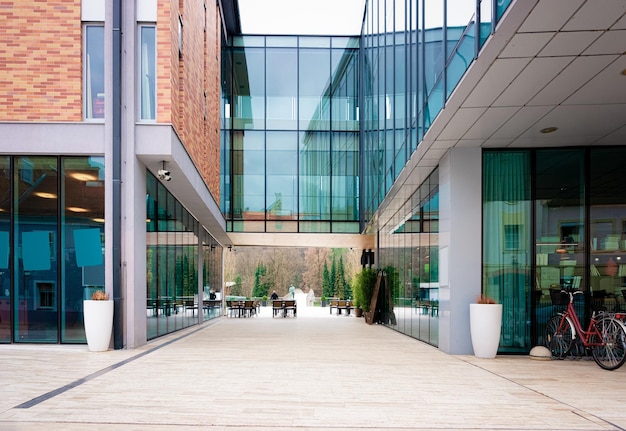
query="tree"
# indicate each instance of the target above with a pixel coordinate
(333, 278)
(261, 286)
(237, 289)
(342, 288)
(313, 274)
(326, 284)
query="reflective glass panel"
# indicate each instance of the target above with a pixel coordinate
(82, 224)
(36, 292)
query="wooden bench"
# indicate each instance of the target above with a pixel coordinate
(333, 304)
(284, 307)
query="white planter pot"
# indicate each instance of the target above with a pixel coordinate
(485, 324)
(98, 317)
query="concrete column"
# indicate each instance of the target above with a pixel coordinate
(460, 238)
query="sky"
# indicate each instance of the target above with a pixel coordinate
(302, 17)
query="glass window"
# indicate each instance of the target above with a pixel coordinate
(93, 74)
(5, 237)
(314, 179)
(314, 89)
(345, 176)
(345, 91)
(282, 175)
(607, 228)
(248, 166)
(282, 88)
(248, 78)
(147, 99)
(506, 236)
(35, 204)
(82, 224)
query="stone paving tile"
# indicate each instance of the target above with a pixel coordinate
(310, 373)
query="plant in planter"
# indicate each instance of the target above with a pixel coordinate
(323, 301)
(264, 301)
(363, 289)
(98, 318)
(485, 326)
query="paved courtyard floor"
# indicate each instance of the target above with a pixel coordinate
(313, 372)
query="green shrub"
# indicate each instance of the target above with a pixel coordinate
(363, 288)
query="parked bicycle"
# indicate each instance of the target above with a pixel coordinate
(605, 336)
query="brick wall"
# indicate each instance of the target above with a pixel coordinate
(183, 81)
(40, 60)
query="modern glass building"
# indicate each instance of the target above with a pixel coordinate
(475, 146)
(474, 167)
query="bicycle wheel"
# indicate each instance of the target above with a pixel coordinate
(559, 336)
(610, 354)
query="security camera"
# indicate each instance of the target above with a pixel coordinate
(164, 175)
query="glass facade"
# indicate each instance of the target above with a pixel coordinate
(552, 218)
(52, 242)
(174, 244)
(409, 255)
(415, 52)
(290, 128)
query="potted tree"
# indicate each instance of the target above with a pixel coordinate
(98, 318)
(363, 289)
(485, 325)
(323, 301)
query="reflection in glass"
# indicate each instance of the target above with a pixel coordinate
(174, 300)
(35, 194)
(82, 224)
(5, 236)
(94, 71)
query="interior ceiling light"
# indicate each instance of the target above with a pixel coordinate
(549, 130)
(81, 176)
(77, 209)
(45, 195)
(97, 220)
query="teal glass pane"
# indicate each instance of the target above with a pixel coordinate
(345, 227)
(282, 175)
(501, 7)
(314, 179)
(314, 73)
(345, 176)
(314, 227)
(35, 235)
(460, 61)
(282, 88)
(82, 227)
(313, 42)
(507, 252)
(248, 86)
(5, 248)
(434, 105)
(345, 97)
(248, 169)
(459, 19)
(485, 20)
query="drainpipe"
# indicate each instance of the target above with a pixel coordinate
(116, 157)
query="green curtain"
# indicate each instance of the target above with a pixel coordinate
(506, 242)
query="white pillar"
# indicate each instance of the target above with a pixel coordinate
(460, 237)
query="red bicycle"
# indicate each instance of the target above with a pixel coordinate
(605, 336)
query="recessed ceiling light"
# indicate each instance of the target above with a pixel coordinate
(81, 176)
(45, 195)
(77, 209)
(549, 130)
